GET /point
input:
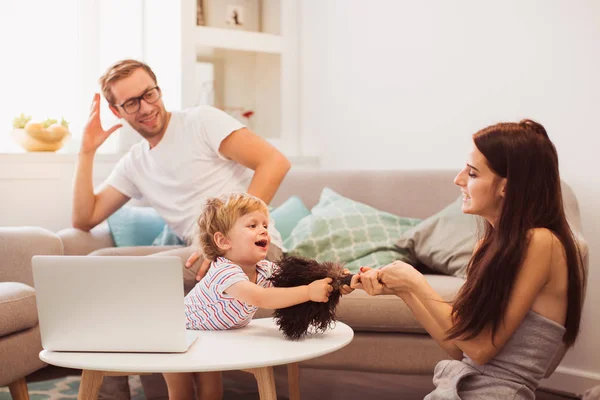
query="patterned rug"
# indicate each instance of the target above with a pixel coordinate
(67, 388)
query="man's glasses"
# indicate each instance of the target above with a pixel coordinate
(133, 105)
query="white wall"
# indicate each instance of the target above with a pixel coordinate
(398, 84)
(37, 188)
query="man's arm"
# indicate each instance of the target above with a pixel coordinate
(269, 165)
(90, 209)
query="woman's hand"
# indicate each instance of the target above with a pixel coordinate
(369, 282)
(347, 289)
(400, 277)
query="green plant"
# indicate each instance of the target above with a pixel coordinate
(49, 122)
(20, 121)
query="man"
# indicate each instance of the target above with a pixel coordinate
(186, 156)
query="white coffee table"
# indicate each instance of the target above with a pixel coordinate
(255, 349)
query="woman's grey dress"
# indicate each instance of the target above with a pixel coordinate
(514, 373)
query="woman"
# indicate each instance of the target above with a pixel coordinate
(523, 294)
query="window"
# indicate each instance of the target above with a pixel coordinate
(39, 70)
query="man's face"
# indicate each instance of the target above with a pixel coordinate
(150, 120)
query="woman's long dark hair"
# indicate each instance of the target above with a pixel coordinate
(524, 155)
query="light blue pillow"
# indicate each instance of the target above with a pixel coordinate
(287, 215)
(135, 226)
(168, 238)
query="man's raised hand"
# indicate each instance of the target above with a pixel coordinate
(93, 134)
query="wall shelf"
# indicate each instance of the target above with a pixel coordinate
(229, 68)
(237, 40)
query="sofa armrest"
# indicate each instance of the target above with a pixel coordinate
(18, 310)
(80, 243)
(582, 244)
(19, 245)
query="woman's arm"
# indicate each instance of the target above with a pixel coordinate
(531, 278)
(370, 283)
(273, 298)
(430, 324)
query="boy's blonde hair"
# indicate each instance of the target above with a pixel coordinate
(219, 214)
(118, 71)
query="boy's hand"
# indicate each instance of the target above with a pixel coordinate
(320, 290)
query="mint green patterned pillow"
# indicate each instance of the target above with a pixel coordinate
(343, 230)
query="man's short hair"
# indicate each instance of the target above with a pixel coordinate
(118, 71)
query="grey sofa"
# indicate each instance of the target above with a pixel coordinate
(387, 337)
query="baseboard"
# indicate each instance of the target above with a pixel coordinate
(571, 380)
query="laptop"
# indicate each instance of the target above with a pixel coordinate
(111, 303)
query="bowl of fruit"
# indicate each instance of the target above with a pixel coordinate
(48, 135)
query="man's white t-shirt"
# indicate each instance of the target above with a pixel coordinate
(184, 168)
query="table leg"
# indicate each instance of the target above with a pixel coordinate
(294, 381)
(266, 382)
(90, 385)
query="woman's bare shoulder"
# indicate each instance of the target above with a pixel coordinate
(545, 244)
(542, 238)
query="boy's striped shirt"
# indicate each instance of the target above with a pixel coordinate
(207, 307)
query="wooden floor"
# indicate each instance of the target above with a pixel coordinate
(320, 384)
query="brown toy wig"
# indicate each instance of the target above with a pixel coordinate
(311, 317)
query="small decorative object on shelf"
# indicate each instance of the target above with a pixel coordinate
(48, 135)
(200, 13)
(241, 114)
(235, 16)
(232, 14)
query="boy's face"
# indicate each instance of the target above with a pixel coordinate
(249, 238)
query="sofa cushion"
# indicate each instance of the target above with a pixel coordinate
(389, 353)
(18, 245)
(135, 226)
(168, 237)
(389, 313)
(343, 230)
(287, 215)
(18, 310)
(444, 241)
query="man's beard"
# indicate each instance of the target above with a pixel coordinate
(156, 131)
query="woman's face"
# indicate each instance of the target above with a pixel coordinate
(482, 189)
